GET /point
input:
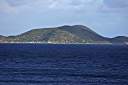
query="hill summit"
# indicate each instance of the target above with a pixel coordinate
(63, 34)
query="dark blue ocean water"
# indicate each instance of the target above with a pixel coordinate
(46, 64)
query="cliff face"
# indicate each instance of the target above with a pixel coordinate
(63, 34)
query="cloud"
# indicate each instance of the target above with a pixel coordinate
(64, 5)
(20, 5)
(17, 2)
(5, 7)
(86, 5)
(116, 3)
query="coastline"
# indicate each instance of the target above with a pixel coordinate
(64, 43)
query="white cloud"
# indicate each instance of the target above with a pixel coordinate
(18, 5)
(88, 6)
(5, 7)
(76, 4)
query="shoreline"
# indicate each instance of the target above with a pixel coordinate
(64, 43)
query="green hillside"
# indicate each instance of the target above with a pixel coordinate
(63, 34)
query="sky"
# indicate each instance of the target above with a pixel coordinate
(106, 17)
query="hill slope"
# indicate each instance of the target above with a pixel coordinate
(63, 34)
(119, 39)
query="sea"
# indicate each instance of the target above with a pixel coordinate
(63, 64)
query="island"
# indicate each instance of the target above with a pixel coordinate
(76, 34)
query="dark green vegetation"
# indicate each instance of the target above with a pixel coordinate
(63, 34)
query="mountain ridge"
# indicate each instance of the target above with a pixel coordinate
(63, 34)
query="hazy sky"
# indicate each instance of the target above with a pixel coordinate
(107, 17)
